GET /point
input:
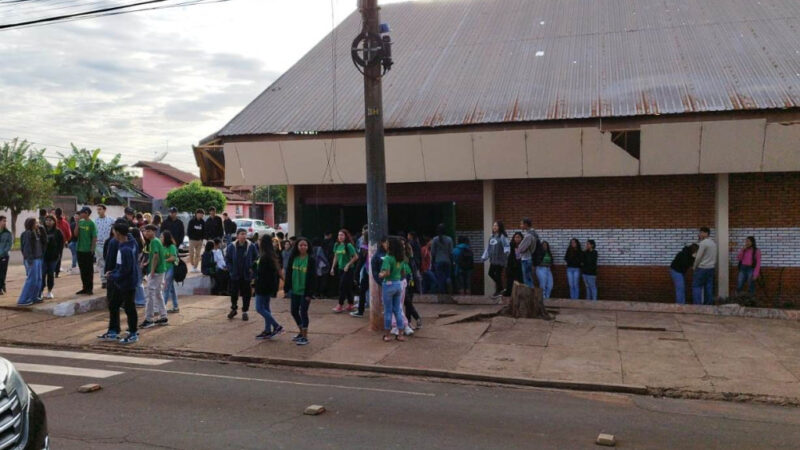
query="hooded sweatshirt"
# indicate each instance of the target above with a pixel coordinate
(497, 251)
(125, 275)
(528, 245)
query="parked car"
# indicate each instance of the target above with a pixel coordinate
(255, 228)
(183, 249)
(23, 422)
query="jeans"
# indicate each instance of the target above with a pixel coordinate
(169, 287)
(140, 298)
(345, 286)
(573, 278)
(262, 307)
(300, 304)
(73, 248)
(679, 280)
(590, 281)
(86, 265)
(3, 272)
(527, 272)
(496, 274)
(746, 277)
(429, 282)
(155, 297)
(442, 272)
(124, 299)
(390, 295)
(48, 275)
(464, 280)
(228, 239)
(240, 287)
(33, 282)
(101, 261)
(545, 276)
(703, 287)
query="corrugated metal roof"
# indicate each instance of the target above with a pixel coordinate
(491, 61)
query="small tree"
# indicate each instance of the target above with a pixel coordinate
(90, 179)
(275, 194)
(25, 181)
(194, 196)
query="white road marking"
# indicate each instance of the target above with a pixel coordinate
(43, 388)
(82, 355)
(295, 383)
(64, 370)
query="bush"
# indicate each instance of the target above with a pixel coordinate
(195, 196)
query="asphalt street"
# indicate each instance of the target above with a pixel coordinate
(187, 404)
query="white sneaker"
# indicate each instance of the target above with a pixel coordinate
(49, 295)
(394, 331)
(408, 331)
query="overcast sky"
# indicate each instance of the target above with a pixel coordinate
(144, 83)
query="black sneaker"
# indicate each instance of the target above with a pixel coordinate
(162, 321)
(245, 317)
(301, 341)
(263, 335)
(81, 292)
(294, 339)
(108, 336)
(146, 324)
(88, 293)
(275, 332)
(232, 314)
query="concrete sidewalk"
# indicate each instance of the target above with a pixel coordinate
(683, 355)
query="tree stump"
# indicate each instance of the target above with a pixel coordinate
(528, 303)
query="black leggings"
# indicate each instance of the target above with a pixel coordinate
(496, 274)
(512, 274)
(411, 312)
(346, 286)
(300, 304)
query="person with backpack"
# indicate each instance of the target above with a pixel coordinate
(266, 287)
(442, 256)
(122, 281)
(526, 249)
(496, 253)
(463, 257)
(301, 279)
(573, 258)
(589, 270)
(169, 275)
(240, 258)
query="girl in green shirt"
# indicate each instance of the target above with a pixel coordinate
(344, 261)
(171, 252)
(393, 270)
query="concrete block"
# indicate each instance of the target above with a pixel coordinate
(86, 388)
(314, 410)
(606, 440)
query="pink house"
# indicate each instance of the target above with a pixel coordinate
(159, 178)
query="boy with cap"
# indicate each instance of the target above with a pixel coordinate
(86, 231)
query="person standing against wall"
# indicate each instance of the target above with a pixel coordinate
(496, 253)
(573, 259)
(704, 265)
(104, 226)
(589, 270)
(513, 265)
(6, 241)
(677, 270)
(530, 241)
(196, 233)
(749, 266)
(86, 230)
(442, 255)
(543, 260)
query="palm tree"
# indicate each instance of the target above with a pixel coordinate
(90, 179)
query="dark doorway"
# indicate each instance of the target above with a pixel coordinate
(422, 218)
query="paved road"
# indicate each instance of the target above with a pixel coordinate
(151, 403)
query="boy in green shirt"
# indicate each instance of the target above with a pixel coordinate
(86, 231)
(156, 267)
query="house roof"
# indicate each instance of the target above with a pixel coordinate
(186, 177)
(460, 62)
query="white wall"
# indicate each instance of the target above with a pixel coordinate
(113, 211)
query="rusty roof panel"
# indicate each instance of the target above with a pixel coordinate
(493, 61)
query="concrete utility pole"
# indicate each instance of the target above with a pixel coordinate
(377, 215)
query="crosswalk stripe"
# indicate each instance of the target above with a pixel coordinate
(82, 355)
(43, 388)
(64, 370)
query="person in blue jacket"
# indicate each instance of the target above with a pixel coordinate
(240, 258)
(124, 278)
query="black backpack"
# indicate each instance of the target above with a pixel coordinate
(465, 259)
(180, 271)
(207, 264)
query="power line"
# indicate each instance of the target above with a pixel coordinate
(80, 14)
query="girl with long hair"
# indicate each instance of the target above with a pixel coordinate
(32, 242)
(345, 258)
(496, 253)
(392, 274)
(749, 259)
(408, 299)
(55, 242)
(543, 272)
(513, 265)
(267, 275)
(301, 280)
(573, 258)
(589, 270)
(172, 259)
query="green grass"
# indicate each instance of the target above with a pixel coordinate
(16, 244)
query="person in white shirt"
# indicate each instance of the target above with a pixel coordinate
(104, 225)
(705, 263)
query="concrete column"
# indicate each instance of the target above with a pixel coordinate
(723, 235)
(488, 220)
(291, 210)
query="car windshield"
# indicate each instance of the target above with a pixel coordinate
(244, 223)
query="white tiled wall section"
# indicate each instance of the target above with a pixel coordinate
(780, 247)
